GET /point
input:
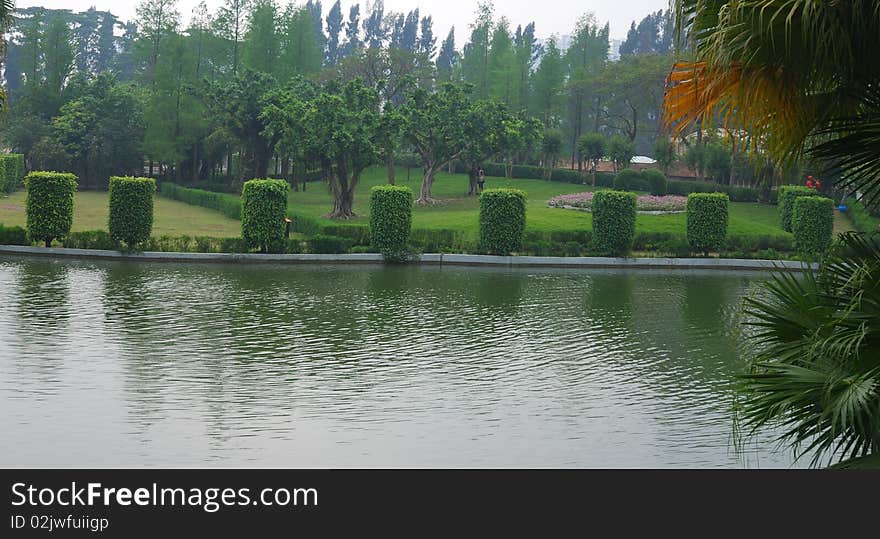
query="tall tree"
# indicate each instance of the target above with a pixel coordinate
(314, 9)
(475, 56)
(548, 83)
(375, 30)
(59, 56)
(427, 41)
(334, 31)
(409, 39)
(527, 53)
(301, 51)
(352, 32)
(231, 22)
(156, 19)
(262, 45)
(585, 57)
(503, 76)
(448, 57)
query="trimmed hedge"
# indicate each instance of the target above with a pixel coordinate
(263, 210)
(630, 180)
(391, 219)
(12, 171)
(50, 198)
(787, 196)
(502, 221)
(131, 209)
(657, 182)
(862, 219)
(736, 194)
(228, 205)
(708, 215)
(329, 245)
(614, 222)
(13, 235)
(93, 239)
(813, 224)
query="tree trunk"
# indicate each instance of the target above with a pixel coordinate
(343, 196)
(473, 175)
(427, 184)
(392, 177)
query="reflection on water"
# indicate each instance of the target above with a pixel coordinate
(115, 364)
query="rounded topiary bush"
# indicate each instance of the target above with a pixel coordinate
(502, 221)
(263, 210)
(708, 215)
(813, 224)
(787, 196)
(131, 209)
(656, 180)
(630, 180)
(391, 219)
(50, 197)
(614, 221)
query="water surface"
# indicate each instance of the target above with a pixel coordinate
(121, 364)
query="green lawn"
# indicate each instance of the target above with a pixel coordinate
(461, 213)
(171, 218)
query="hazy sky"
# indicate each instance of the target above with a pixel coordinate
(551, 16)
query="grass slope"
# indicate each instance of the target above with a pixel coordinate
(171, 218)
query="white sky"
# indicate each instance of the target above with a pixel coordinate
(550, 16)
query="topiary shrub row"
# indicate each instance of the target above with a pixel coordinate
(614, 222)
(787, 196)
(813, 224)
(630, 180)
(263, 210)
(502, 221)
(736, 194)
(50, 197)
(12, 172)
(707, 221)
(391, 220)
(131, 209)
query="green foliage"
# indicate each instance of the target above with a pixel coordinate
(787, 196)
(329, 245)
(708, 215)
(812, 372)
(229, 206)
(813, 224)
(12, 171)
(13, 235)
(131, 209)
(664, 153)
(736, 194)
(614, 222)
(391, 219)
(592, 147)
(49, 205)
(861, 219)
(95, 239)
(630, 180)
(656, 180)
(502, 220)
(621, 151)
(263, 210)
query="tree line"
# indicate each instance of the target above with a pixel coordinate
(99, 97)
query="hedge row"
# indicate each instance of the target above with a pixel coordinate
(707, 220)
(813, 224)
(131, 209)
(226, 204)
(736, 194)
(787, 196)
(502, 221)
(50, 197)
(862, 219)
(12, 172)
(13, 235)
(263, 210)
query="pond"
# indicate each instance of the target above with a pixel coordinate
(120, 364)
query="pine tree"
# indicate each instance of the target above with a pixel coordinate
(448, 57)
(301, 53)
(262, 46)
(503, 79)
(410, 38)
(548, 83)
(427, 40)
(375, 31)
(231, 21)
(352, 32)
(475, 56)
(334, 31)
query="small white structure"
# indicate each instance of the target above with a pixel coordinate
(643, 160)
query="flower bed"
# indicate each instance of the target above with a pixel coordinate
(647, 203)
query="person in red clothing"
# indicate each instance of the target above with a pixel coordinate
(810, 182)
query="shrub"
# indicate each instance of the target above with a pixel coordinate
(358, 234)
(50, 199)
(502, 220)
(13, 235)
(813, 224)
(707, 219)
(391, 219)
(861, 218)
(656, 180)
(329, 245)
(737, 194)
(787, 196)
(12, 170)
(95, 239)
(232, 246)
(614, 222)
(228, 205)
(263, 210)
(131, 209)
(630, 180)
